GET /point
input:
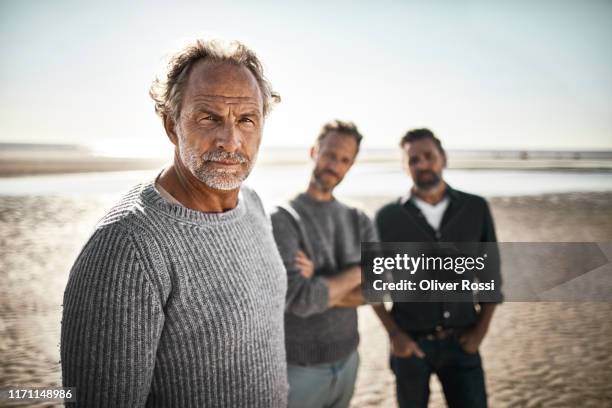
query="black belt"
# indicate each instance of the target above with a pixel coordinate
(439, 333)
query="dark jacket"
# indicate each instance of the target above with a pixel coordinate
(467, 219)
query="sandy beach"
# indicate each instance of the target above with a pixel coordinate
(556, 354)
(536, 354)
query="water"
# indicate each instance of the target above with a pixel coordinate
(275, 182)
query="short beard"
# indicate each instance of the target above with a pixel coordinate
(316, 180)
(214, 177)
(428, 185)
(322, 187)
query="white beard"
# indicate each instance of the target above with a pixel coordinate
(212, 176)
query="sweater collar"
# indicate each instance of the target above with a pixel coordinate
(305, 198)
(151, 197)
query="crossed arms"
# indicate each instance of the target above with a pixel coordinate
(344, 289)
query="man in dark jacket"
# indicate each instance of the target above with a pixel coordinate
(436, 337)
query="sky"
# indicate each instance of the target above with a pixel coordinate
(480, 74)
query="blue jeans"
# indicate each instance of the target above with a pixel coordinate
(459, 372)
(328, 385)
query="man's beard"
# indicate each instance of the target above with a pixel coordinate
(428, 184)
(321, 184)
(216, 177)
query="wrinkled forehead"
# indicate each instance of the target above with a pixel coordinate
(223, 83)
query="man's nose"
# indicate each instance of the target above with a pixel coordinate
(421, 164)
(333, 165)
(229, 138)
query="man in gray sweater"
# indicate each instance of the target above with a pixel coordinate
(320, 239)
(177, 298)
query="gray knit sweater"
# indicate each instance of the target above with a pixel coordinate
(314, 332)
(170, 307)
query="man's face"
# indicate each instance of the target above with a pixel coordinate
(424, 162)
(333, 158)
(220, 124)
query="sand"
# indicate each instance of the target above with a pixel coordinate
(536, 354)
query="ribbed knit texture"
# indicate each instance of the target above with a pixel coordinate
(314, 332)
(170, 307)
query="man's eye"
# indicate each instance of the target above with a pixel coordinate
(206, 118)
(247, 120)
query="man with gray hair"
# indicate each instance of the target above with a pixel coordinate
(177, 298)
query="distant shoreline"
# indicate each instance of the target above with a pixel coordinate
(28, 159)
(30, 167)
(26, 166)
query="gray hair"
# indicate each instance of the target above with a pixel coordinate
(167, 91)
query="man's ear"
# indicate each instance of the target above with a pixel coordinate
(313, 152)
(170, 128)
(444, 161)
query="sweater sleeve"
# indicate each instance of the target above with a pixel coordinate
(305, 296)
(367, 228)
(112, 322)
(380, 224)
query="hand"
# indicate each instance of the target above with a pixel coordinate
(304, 264)
(402, 345)
(352, 299)
(471, 339)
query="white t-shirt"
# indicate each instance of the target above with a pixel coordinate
(166, 195)
(433, 213)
